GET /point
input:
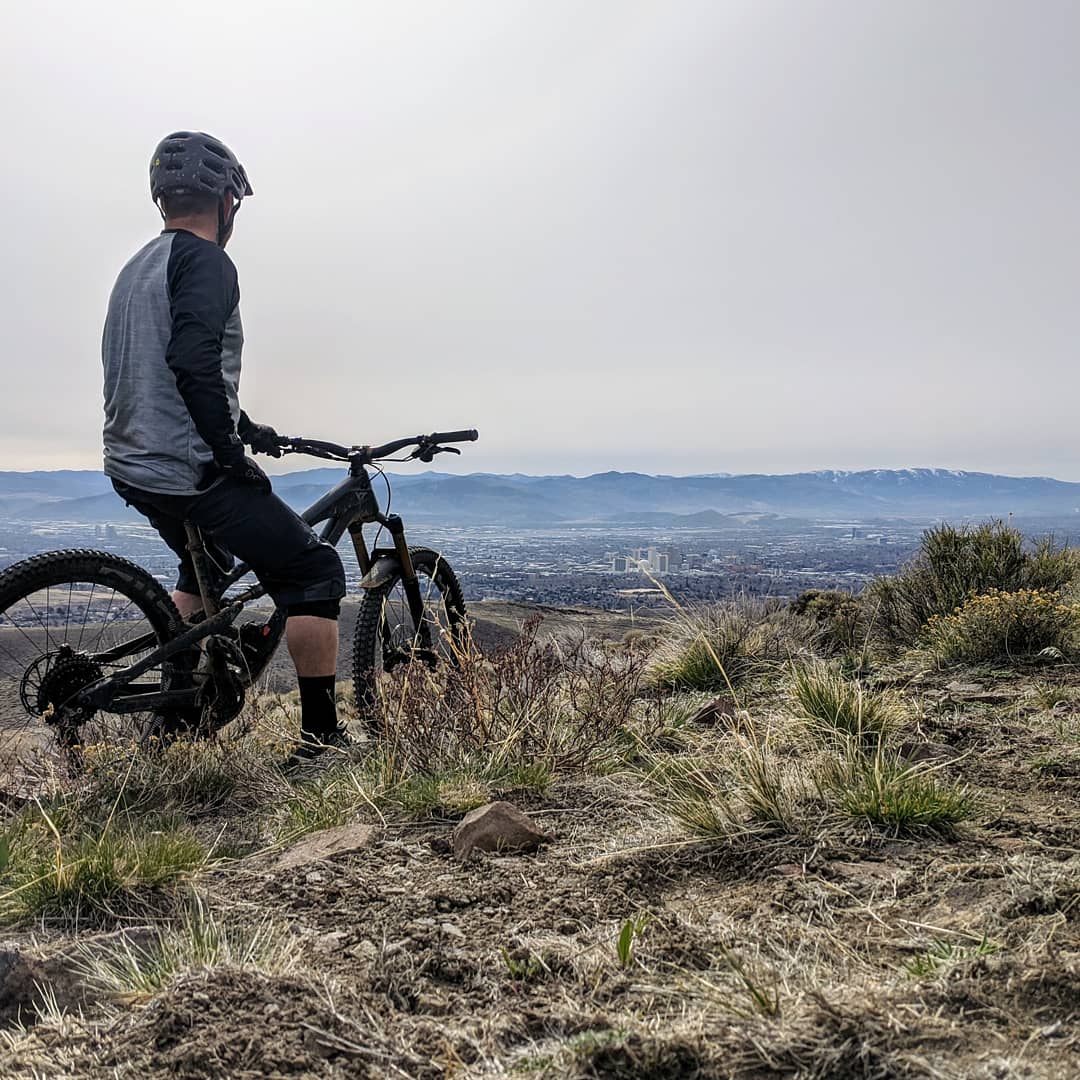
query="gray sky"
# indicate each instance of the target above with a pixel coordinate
(678, 236)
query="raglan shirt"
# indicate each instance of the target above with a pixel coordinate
(171, 357)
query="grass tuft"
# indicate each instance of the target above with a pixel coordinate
(93, 872)
(717, 646)
(198, 940)
(843, 707)
(884, 790)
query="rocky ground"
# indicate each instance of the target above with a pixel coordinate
(625, 946)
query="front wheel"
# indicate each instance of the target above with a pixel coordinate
(387, 636)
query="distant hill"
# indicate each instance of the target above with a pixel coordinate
(688, 501)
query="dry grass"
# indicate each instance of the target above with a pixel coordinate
(778, 893)
(130, 971)
(719, 646)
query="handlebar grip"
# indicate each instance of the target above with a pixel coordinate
(471, 435)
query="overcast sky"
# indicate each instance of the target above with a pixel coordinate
(675, 236)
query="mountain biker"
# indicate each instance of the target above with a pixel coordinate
(174, 432)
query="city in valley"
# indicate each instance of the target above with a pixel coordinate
(610, 567)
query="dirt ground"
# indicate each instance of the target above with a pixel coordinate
(838, 953)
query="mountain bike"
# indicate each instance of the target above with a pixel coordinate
(93, 648)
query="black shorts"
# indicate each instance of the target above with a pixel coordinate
(238, 520)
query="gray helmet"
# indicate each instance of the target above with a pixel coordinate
(192, 161)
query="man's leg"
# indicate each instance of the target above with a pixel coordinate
(186, 603)
(304, 576)
(313, 646)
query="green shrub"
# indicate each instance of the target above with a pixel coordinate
(1004, 624)
(717, 646)
(956, 563)
(838, 616)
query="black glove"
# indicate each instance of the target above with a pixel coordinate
(262, 438)
(232, 462)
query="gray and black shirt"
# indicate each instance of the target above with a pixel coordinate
(171, 354)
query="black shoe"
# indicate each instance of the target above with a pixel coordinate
(311, 749)
(254, 642)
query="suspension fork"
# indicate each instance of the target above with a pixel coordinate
(409, 582)
(363, 559)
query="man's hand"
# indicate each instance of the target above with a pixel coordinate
(262, 438)
(246, 469)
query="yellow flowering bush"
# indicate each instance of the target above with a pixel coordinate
(1002, 624)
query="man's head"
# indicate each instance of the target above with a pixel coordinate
(196, 180)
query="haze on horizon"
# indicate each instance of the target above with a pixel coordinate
(686, 237)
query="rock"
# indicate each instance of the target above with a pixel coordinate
(720, 710)
(790, 870)
(915, 751)
(25, 974)
(498, 826)
(326, 843)
(965, 689)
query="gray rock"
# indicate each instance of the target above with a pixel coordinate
(498, 826)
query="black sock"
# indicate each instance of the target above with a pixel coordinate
(318, 709)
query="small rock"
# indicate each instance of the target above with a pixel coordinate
(790, 870)
(450, 930)
(915, 751)
(965, 689)
(364, 951)
(498, 826)
(1011, 843)
(324, 844)
(718, 711)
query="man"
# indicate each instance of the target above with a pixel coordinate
(174, 431)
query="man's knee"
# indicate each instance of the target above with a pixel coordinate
(320, 576)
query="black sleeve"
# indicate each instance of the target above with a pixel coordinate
(203, 292)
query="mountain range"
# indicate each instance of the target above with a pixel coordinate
(607, 498)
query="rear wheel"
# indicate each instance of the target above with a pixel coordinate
(67, 619)
(388, 637)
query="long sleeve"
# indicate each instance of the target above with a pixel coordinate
(203, 293)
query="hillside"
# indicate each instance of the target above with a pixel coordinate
(727, 886)
(691, 501)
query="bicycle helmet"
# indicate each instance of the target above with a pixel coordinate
(190, 162)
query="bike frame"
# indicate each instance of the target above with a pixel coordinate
(347, 507)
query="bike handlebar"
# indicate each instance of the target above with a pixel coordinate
(427, 446)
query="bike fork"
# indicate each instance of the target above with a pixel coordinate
(409, 581)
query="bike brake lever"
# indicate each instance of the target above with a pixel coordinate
(427, 453)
